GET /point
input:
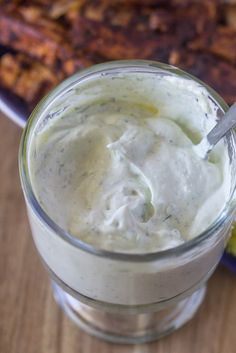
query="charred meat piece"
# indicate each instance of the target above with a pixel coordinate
(145, 19)
(111, 15)
(112, 43)
(79, 61)
(26, 78)
(220, 42)
(40, 39)
(127, 32)
(195, 19)
(230, 15)
(31, 80)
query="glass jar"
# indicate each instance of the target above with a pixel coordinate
(125, 298)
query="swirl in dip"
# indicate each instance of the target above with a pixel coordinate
(116, 167)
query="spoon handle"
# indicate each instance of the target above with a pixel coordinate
(222, 127)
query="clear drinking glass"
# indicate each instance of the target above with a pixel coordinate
(125, 298)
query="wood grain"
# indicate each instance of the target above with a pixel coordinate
(31, 322)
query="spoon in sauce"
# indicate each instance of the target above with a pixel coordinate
(227, 122)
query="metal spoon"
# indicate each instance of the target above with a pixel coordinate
(227, 122)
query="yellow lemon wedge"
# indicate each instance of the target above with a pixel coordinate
(231, 246)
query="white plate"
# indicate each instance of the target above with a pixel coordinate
(13, 107)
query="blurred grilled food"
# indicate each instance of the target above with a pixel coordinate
(47, 41)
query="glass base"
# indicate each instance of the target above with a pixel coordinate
(126, 327)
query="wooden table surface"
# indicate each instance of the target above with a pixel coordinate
(31, 322)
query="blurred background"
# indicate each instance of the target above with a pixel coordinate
(42, 41)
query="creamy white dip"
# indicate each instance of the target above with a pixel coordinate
(117, 169)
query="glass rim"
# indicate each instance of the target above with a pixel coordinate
(66, 85)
